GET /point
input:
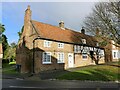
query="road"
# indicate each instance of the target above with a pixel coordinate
(19, 84)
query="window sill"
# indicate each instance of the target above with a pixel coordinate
(60, 62)
(46, 63)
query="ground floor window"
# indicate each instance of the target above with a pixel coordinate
(46, 58)
(84, 56)
(115, 54)
(60, 57)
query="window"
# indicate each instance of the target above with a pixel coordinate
(60, 57)
(102, 52)
(47, 43)
(84, 41)
(115, 54)
(84, 56)
(85, 50)
(77, 49)
(46, 57)
(60, 45)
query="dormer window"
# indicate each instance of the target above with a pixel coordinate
(84, 41)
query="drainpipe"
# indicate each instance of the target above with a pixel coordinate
(33, 65)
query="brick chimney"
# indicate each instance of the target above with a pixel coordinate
(61, 24)
(27, 23)
(83, 30)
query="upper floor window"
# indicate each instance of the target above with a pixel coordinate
(84, 41)
(60, 45)
(46, 58)
(60, 57)
(77, 49)
(47, 43)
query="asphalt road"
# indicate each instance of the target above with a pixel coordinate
(19, 84)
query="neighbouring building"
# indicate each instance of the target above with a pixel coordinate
(114, 51)
(46, 47)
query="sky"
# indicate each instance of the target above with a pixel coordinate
(72, 13)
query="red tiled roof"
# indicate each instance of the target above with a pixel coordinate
(56, 33)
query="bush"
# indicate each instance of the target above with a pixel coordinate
(12, 63)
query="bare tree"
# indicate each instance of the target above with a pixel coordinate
(106, 17)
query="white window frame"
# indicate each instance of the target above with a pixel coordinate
(60, 45)
(115, 56)
(77, 49)
(47, 43)
(60, 57)
(84, 54)
(43, 58)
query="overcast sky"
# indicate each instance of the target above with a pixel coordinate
(72, 13)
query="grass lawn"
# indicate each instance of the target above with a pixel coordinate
(93, 73)
(9, 69)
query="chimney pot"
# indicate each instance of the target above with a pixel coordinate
(83, 30)
(61, 24)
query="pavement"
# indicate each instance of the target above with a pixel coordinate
(47, 75)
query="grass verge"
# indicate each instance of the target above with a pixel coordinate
(93, 73)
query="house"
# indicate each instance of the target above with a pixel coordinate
(114, 51)
(46, 47)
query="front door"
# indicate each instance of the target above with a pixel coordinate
(70, 60)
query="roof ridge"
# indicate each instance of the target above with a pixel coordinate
(45, 23)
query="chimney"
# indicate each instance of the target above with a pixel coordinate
(61, 24)
(27, 14)
(27, 23)
(83, 30)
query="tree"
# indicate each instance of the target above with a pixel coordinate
(20, 32)
(5, 44)
(10, 52)
(105, 17)
(3, 39)
(2, 29)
